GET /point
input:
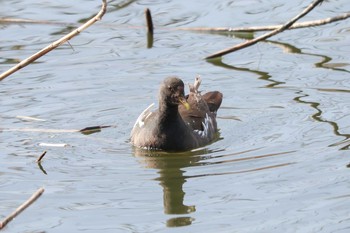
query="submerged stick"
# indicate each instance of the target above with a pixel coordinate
(57, 43)
(305, 24)
(22, 207)
(267, 35)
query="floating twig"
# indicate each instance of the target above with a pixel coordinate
(87, 129)
(53, 144)
(267, 35)
(39, 130)
(57, 43)
(22, 207)
(28, 118)
(41, 157)
(29, 21)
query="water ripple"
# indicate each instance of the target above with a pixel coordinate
(284, 122)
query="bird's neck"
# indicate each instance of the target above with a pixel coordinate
(168, 113)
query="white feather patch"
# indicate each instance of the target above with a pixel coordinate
(207, 126)
(143, 116)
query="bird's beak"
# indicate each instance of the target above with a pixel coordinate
(184, 103)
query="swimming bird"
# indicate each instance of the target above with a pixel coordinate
(181, 122)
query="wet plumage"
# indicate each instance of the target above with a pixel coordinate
(181, 122)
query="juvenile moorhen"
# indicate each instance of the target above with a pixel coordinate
(182, 122)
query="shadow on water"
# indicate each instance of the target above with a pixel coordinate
(324, 63)
(149, 40)
(171, 170)
(171, 178)
(263, 75)
(318, 117)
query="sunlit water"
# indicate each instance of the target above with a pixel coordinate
(280, 164)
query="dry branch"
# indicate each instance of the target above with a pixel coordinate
(22, 207)
(267, 35)
(305, 24)
(57, 43)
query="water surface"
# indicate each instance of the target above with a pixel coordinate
(280, 163)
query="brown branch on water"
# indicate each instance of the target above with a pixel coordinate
(266, 35)
(305, 24)
(22, 207)
(57, 43)
(41, 157)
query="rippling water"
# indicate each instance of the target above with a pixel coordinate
(280, 163)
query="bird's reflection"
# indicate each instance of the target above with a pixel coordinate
(171, 178)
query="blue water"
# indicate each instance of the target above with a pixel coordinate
(280, 164)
